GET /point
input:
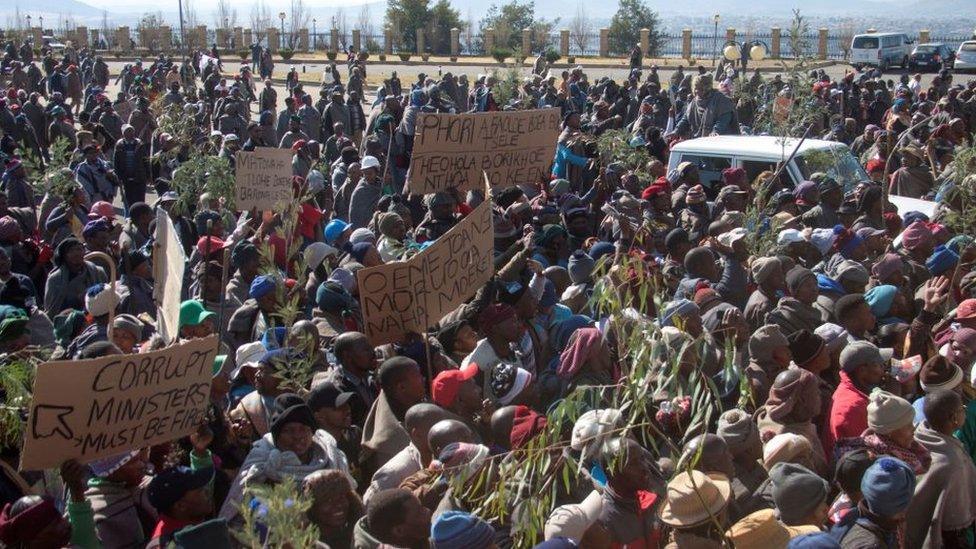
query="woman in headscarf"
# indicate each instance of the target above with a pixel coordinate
(294, 448)
(961, 349)
(586, 360)
(72, 276)
(794, 400)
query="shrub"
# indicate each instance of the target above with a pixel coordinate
(552, 55)
(243, 53)
(425, 57)
(571, 59)
(382, 57)
(404, 56)
(500, 54)
(286, 53)
(453, 59)
(331, 55)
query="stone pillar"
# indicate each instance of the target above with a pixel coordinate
(421, 44)
(274, 39)
(165, 38)
(564, 42)
(604, 42)
(729, 35)
(239, 38)
(489, 39)
(822, 44)
(388, 41)
(122, 38)
(526, 42)
(686, 43)
(37, 36)
(775, 42)
(334, 40)
(455, 42)
(202, 36)
(302, 40)
(923, 36)
(223, 37)
(645, 41)
(81, 36)
(94, 38)
(357, 40)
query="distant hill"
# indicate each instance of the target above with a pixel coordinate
(50, 10)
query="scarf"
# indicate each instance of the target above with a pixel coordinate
(526, 424)
(916, 456)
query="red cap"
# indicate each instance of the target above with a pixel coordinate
(215, 245)
(446, 385)
(966, 309)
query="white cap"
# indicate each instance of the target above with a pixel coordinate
(727, 239)
(316, 252)
(247, 355)
(369, 162)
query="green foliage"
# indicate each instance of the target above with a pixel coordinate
(16, 382)
(625, 26)
(405, 17)
(552, 55)
(331, 55)
(520, 488)
(372, 46)
(404, 56)
(56, 177)
(500, 54)
(508, 21)
(507, 85)
(283, 511)
(203, 174)
(243, 53)
(442, 19)
(961, 218)
(286, 53)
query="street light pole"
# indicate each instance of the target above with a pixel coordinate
(715, 41)
(281, 40)
(315, 36)
(182, 33)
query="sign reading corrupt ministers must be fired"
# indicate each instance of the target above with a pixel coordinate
(263, 179)
(410, 296)
(454, 150)
(90, 409)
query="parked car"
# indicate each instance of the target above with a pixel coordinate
(933, 56)
(881, 49)
(756, 154)
(966, 57)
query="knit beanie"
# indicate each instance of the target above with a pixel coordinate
(580, 267)
(888, 486)
(764, 340)
(887, 412)
(797, 491)
(459, 530)
(805, 346)
(738, 430)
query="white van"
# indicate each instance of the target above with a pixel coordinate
(881, 49)
(756, 154)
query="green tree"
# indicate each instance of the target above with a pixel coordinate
(508, 20)
(404, 17)
(625, 26)
(443, 18)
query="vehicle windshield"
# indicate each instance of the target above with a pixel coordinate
(926, 49)
(837, 162)
(866, 42)
(968, 46)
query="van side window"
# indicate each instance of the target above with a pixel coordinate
(709, 168)
(755, 167)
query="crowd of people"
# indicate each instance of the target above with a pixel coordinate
(802, 354)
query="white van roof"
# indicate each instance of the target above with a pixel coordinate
(882, 34)
(760, 146)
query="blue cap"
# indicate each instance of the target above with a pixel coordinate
(167, 487)
(261, 286)
(942, 259)
(460, 530)
(335, 228)
(819, 540)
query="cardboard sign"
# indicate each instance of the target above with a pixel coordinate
(169, 262)
(454, 150)
(263, 179)
(410, 296)
(90, 409)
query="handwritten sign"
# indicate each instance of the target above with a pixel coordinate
(169, 262)
(90, 409)
(454, 150)
(263, 179)
(410, 296)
